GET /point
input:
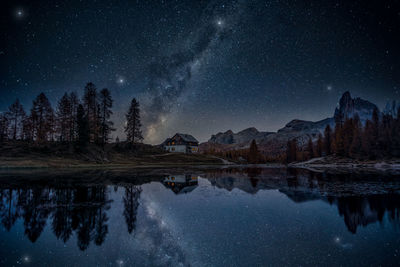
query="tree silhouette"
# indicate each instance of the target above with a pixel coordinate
(42, 116)
(82, 127)
(253, 152)
(64, 111)
(328, 140)
(106, 103)
(133, 124)
(131, 204)
(16, 115)
(3, 128)
(319, 146)
(10, 212)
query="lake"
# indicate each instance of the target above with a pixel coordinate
(200, 217)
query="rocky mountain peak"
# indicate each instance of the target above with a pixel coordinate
(349, 106)
(392, 108)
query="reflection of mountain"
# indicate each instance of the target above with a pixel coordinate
(359, 198)
(181, 184)
(81, 208)
(361, 211)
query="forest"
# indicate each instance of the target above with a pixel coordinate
(377, 138)
(74, 120)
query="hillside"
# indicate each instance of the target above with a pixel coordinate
(275, 142)
(24, 155)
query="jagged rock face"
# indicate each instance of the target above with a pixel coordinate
(392, 108)
(300, 130)
(245, 136)
(349, 106)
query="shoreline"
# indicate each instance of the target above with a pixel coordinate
(330, 163)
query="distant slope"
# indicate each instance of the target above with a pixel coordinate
(274, 143)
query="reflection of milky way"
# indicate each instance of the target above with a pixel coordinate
(158, 240)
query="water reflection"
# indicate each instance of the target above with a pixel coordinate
(179, 184)
(83, 209)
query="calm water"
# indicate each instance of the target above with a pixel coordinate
(230, 217)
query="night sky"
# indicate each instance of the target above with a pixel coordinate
(202, 67)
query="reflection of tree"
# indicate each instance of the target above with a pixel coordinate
(62, 221)
(131, 204)
(81, 209)
(35, 210)
(9, 211)
(361, 211)
(89, 217)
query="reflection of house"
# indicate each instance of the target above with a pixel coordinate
(184, 143)
(181, 183)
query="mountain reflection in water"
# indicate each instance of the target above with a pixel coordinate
(81, 206)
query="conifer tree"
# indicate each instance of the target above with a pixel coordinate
(291, 150)
(347, 136)
(74, 100)
(3, 127)
(106, 103)
(253, 153)
(16, 115)
(395, 151)
(319, 146)
(64, 118)
(133, 124)
(356, 143)
(328, 140)
(42, 118)
(91, 110)
(339, 142)
(82, 126)
(310, 149)
(28, 129)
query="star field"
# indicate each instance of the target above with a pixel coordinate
(203, 66)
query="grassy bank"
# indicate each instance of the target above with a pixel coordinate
(55, 155)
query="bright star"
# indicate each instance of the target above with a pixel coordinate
(19, 13)
(220, 22)
(121, 80)
(329, 87)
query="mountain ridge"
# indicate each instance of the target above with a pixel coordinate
(301, 130)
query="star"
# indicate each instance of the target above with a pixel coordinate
(120, 80)
(19, 13)
(329, 87)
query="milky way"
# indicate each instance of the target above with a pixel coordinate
(202, 67)
(169, 75)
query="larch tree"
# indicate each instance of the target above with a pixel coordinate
(42, 118)
(64, 118)
(91, 110)
(74, 100)
(319, 146)
(16, 115)
(291, 150)
(253, 152)
(310, 149)
(3, 127)
(133, 124)
(106, 125)
(338, 135)
(82, 127)
(328, 140)
(356, 143)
